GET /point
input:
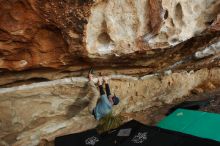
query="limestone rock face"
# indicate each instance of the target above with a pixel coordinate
(26, 41)
(154, 51)
(49, 109)
(120, 26)
(57, 33)
(216, 25)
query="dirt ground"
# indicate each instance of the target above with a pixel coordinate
(153, 115)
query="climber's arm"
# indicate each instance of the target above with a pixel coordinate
(107, 88)
(101, 90)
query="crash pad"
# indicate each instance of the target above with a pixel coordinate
(196, 123)
(133, 133)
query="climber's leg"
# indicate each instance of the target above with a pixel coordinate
(94, 96)
(107, 88)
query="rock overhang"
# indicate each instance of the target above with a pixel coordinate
(80, 32)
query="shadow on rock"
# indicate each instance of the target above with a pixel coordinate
(80, 103)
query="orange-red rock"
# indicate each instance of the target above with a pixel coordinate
(57, 33)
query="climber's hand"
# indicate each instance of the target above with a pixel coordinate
(105, 80)
(100, 80)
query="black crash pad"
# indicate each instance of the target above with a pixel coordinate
(137, 135)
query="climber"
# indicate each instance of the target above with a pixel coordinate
(100, 104)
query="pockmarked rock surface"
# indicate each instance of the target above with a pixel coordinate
(57, 33)
(49, 109)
